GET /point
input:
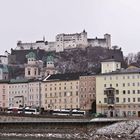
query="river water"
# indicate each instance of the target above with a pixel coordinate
(29, 138)
(19, 138)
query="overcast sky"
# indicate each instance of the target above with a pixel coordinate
(30, 20)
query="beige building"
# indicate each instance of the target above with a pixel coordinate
(87, 90)
(34, 94)
(3, 95)
(61, 91)
(118, 92)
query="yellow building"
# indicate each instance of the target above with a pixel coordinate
(60, 91)
(118, 92)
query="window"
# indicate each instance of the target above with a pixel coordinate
(28, 72)
(105, 92)
(117, 91)
(133, 84)
(59, 100)
(59, 94)
(138, 99)
(35, 72)
(55, 100)
(128, 99)
(76, 93)
(117, 99)
(105, 100)
(65, 93)
(133, 91)
(123, 84)
(128, 84)
(104, 85)
(116, 85)
(123, 91)
(124, 100)
(50, 94)
(128, 91)
(138, 91)
(133, 99)
(133, 77)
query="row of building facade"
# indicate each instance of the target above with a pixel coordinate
(114, 92)
(60, 91)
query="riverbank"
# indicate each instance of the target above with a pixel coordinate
(73, 129)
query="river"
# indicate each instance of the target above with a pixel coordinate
(19, 138)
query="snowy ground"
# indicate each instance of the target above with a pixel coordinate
(122, 130)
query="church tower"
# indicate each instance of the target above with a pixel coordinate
(50, 68)
(31, 68)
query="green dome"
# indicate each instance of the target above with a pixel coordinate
(31, 55)
(50, 58)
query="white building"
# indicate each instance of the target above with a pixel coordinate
(34, 94)
(100, 42)
(23, 92)
(27, 46)
(68, 41)
(110, 65)
(18, 93)
(43, 45)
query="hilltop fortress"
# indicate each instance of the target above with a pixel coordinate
(67, 41)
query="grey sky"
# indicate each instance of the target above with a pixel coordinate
(30, 20)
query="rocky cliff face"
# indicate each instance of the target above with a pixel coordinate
(74, 60)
